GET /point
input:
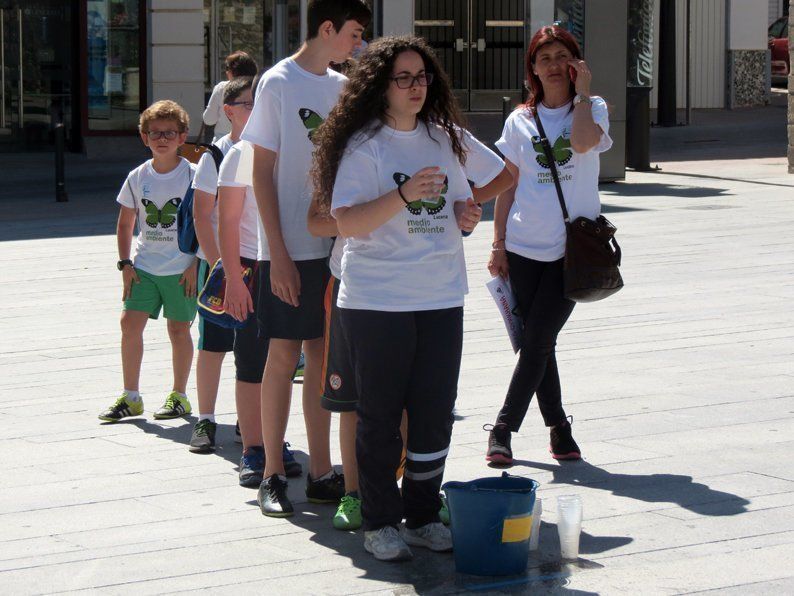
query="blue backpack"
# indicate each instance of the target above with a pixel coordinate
(186, 227)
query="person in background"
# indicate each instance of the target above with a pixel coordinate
(238, 64)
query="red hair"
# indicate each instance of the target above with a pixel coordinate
(543, 37)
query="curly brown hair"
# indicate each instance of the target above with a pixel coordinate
(362, 107)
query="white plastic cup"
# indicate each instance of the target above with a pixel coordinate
(534, 535)
(442, 174)
(569, 525)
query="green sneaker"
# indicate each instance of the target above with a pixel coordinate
(175, 406)
(348, 514)
(122, 409)
(443, 513)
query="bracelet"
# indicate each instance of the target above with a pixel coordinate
(495, 242)
(494, 249)
(402, 196)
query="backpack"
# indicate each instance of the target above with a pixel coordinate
(186, 227)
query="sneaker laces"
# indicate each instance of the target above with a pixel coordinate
(252, 458)
(202, 428)
(120, 403)
(348, 504)
(171, 401)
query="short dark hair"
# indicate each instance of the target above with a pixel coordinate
(235, 88)
(338, 12)
(240, 64)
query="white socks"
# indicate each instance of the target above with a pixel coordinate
(210, 417)
(133, 396)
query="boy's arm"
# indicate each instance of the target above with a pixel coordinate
(321, 224)
(124, 229)
(284, 278)
(203, 205)
(237, 300)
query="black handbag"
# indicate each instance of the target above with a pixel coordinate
(592, 255)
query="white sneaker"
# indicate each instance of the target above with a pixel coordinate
(386, 544)
(435, 536)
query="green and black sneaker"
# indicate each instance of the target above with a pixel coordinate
(175, 406)
(123, 408)
(203, 438)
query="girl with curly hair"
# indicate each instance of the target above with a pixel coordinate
(389, 169)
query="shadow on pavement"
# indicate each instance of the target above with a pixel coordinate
(651, 488)
(656, 189)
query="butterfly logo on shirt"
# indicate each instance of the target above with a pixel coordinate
(561, 151)
(431, 205)
(311, 120)
(166, 216)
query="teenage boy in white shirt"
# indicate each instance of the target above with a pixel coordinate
(292, 99)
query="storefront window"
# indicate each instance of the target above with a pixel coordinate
(113, 71)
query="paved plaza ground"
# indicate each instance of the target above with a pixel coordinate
(681, 386)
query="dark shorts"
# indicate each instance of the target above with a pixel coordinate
(339, 393)
(279, 320)
(250, 348)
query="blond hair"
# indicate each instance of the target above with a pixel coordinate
(164, 110)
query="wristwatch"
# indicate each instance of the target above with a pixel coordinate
(121, 264)
(581, 98)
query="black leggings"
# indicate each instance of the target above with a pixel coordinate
(403, 361)
(537, 286)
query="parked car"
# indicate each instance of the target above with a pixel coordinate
(778, 45)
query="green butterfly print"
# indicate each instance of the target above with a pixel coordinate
(311, 120)
(561, 150)
(432, 206)
(166, 216)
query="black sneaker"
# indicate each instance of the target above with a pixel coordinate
(562, 445)
(252, 467)
(292, 468)
(272, 497)
(325, 490)
(499, 451)
(203, 438)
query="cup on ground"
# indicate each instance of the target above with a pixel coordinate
(569, 524)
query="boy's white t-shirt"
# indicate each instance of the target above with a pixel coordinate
(414, 261)
(236, 172)
(335, 262)
(535, 227)
(156, 198)
(206, 180)
(290, 103)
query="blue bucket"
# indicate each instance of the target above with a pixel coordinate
(491, 519)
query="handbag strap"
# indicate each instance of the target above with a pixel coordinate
(544, 141)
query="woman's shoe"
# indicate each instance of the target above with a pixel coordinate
(499, 451)
(561, 443)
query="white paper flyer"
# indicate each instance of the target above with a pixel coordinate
(502, 294)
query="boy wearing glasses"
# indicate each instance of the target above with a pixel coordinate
(158, 276)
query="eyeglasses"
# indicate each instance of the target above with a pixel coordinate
(169, 135)
(408, 81)
(249, 105)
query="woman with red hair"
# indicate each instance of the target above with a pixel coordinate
(529, 232)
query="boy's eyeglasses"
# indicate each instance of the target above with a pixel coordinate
(159, 134)
(248, 105)
(407, 81)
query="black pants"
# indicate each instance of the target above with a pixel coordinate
(538, 287)
(403, 361)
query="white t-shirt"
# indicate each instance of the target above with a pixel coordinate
(214, 114)
(206, 180)
(480, 166)
(535, 228)
(156, 198)
(236, 172)
(415, 260)
(290, 103)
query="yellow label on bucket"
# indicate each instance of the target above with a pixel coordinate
(517, 529)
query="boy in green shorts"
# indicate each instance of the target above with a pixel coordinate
(159, 276)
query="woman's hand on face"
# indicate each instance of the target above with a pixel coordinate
(583, 76)
(427, 182)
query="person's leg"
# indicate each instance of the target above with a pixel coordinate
(276, 399)
(544, 311)
(317, 418)
(348, 421)
(182, 353)
(133, 323)
(250, 355)
(208, 376)
(431, 398)
(382, 345)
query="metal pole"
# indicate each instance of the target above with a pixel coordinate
(60, 170)
(21, 84)
(2, 68)
(666, 109)
(688, 63)
(280, 31)
(506, 109)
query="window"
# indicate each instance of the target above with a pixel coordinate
(113, 69)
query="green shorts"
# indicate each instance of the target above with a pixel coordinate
(161, 291)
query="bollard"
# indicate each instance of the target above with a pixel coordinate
(506, 109)
(60, 175)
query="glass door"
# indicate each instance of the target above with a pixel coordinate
(36, 74)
